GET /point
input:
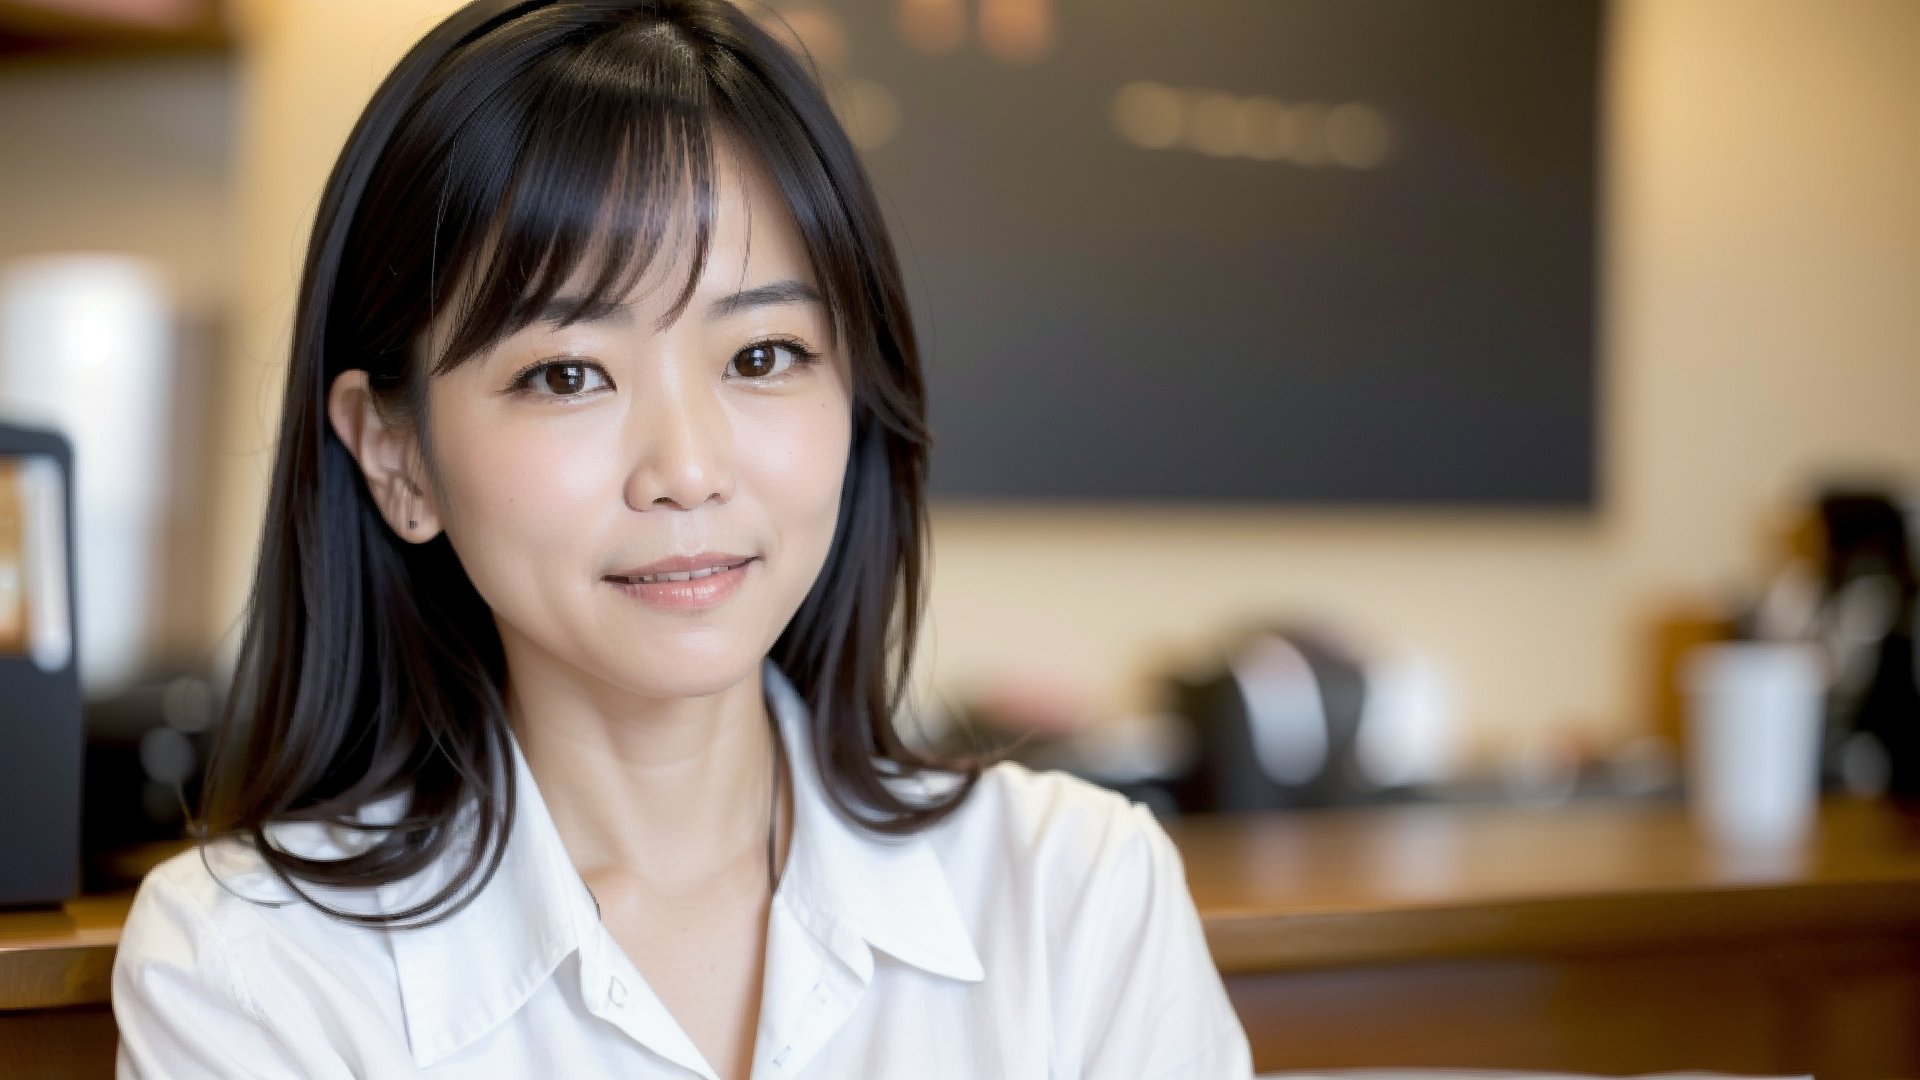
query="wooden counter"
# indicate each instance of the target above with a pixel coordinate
(1601, 937)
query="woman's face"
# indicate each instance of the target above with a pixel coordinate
(570, 459)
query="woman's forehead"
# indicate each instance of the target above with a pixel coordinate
(753, 241)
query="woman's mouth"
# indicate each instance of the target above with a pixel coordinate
(683, 589)
(685, 575)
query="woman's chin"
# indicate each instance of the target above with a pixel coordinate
(675, 670)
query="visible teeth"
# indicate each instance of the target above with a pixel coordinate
(687, 575)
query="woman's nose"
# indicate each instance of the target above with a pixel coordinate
(679, 442)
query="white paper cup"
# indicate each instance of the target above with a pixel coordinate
(1753, 725)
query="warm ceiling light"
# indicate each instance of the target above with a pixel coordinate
(1149, 115)
(1017, 31)
(932, 27)
(868, 111)
(813, 30)
(1358, 136)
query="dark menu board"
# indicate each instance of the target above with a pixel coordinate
(1265, 251)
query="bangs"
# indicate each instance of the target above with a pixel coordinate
(579, 174)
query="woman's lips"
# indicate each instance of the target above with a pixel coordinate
(713, 585)
(682, 564)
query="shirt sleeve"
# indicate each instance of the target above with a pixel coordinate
(179, 1001)
(1152, 1003)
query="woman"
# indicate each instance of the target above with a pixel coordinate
(561, 742)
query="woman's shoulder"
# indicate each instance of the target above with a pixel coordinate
(230, 872)
(219, 894)
(1056, 829)
(1044, 801)
(1042, 860)
(209, 876)
(223, 967)
(220, 899)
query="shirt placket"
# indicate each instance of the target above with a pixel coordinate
(615, 991)
(815, 976)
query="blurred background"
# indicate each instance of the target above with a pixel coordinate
(1338, 401)
(1490, 354)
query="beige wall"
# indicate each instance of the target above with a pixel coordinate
(1763, 261)
(125, 156)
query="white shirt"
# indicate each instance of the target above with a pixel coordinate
(1044, 930)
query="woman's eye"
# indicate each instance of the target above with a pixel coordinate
(761, 360)
(562, 378)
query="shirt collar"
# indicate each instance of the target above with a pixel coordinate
(461, 977)
(890, 890)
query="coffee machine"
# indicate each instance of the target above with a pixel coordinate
(41, 733)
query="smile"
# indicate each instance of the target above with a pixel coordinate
(684, 590)
(687, 575)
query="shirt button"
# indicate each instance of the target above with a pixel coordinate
(617, 993)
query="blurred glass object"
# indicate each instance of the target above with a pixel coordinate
(1754, 712)
(1409, 722)
(1285, 709)
(86, 347)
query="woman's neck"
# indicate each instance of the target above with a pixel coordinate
(663, 793)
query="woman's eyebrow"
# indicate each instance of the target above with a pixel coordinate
(786, 291)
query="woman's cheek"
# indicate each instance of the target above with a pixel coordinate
(523, 500)
(802, 454)
(812, 467)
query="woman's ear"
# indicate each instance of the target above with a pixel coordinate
(389, 458)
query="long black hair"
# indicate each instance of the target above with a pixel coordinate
(508, 143)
